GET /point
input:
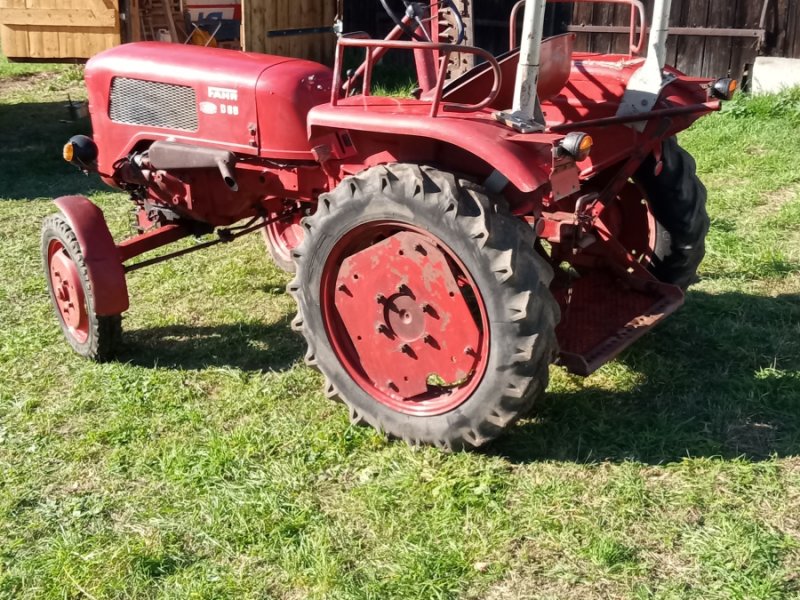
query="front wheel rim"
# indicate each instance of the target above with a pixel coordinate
(67, 291)
(405, 318)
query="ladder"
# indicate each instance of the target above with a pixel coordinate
(156, 15)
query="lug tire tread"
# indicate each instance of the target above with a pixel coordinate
(678, 201)
(522, 279)
(105, 332)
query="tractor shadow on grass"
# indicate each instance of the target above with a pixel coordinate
(32, 136)
(720, 378)
(247, 346)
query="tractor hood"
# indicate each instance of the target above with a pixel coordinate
(243, 102)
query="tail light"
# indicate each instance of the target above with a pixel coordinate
(725, 88)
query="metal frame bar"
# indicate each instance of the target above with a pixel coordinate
(168, 234)
(373, 46)
(684, 31)
(711, 106)
(637, 9)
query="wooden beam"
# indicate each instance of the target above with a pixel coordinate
(58, 17)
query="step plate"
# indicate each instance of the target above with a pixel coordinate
(604, 314)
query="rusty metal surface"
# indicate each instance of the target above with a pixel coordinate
(587, 342)
(405, 314)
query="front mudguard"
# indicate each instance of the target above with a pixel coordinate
(106, 273)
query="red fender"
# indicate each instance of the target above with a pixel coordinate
(106, 273)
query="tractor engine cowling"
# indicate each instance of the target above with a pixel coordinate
(227, 104)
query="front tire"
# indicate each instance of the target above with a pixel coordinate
(92, 336)
(425, 306)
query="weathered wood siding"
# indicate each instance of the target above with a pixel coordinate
(58, 29)
(260, 17)
(704, 55)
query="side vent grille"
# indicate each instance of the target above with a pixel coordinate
(153, 104)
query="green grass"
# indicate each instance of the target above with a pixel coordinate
(206, 462)
(10, 69)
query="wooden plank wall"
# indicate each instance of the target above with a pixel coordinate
(490, 17)
(783, 23)
(58, 29)
(259, 17)
(697, 55)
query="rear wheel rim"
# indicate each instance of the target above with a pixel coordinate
(68, 294)
(631, 221)
(391, 314)
(285, 235)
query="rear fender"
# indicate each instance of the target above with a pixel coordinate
(106, 273)
(525, 161)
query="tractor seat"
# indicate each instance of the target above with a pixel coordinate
(475, 84)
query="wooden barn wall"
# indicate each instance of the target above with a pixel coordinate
(695, 55)
(783, 27)
(260, 17)
(703, 56)
(491, 18)
(58, 29)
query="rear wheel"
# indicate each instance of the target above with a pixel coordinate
(92, 336)
(281, 237)
(677, 201)
(425, 306)
(661, 219)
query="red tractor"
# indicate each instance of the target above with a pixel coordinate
(448, 247)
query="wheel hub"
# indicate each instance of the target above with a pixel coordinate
(406, 316)
(68, 291)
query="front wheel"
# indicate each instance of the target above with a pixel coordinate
(425, 305)
(90, 335)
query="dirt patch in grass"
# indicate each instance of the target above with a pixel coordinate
(12, 85)
(772, 202)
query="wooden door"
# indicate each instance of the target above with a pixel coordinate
(58, 29)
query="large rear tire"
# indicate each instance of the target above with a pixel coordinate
(388, 260)
(677, 199)
(92, 336)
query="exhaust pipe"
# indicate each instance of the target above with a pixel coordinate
(166, 156)
(224, 167)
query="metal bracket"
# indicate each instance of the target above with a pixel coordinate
(647, 83)
(643, 92)
(520, 122)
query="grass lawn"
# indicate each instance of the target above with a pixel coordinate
(207, 463)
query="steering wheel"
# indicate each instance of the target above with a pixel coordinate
(414, 11)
